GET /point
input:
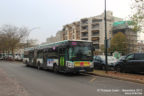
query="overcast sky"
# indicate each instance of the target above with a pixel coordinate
(48, 16)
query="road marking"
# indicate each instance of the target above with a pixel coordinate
(92, 80)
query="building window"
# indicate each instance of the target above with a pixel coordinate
(95, 26)
(96, 46)
(85, 34)
(84, 39)
(96, 20)
(84, 27)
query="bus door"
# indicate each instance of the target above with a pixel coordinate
(45, 53)
(62, 58)
(35, 57)
(31, 56)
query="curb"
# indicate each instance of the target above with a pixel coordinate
(119, 78)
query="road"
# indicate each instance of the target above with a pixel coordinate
(46, 83)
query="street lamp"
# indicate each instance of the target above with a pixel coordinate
(106, 69)
(29, 33)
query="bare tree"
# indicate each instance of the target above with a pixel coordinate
(11, 37)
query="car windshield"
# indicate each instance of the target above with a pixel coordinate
(80, 53)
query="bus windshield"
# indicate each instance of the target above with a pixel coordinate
(80, 53)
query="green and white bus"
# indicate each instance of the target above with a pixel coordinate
(64, 56)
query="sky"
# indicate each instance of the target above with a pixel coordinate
(46, 17)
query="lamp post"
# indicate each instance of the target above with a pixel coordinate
(29, 33)
(105, 19)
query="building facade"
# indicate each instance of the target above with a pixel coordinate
(91, 29)
(71, 31)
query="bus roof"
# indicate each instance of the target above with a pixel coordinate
(58, 43)
(29, 49)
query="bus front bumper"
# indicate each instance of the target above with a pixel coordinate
(79, 69)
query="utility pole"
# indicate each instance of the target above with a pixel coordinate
(105, 17)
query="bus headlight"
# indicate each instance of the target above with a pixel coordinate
(91, 64)
(70, 64)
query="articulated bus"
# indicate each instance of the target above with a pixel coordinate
(64, 56)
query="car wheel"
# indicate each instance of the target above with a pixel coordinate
(103, 67)
(27, 65)
(119, 69)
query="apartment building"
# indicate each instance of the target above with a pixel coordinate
(71, 31)
(91, 29)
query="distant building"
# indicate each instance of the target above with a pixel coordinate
(53, 39)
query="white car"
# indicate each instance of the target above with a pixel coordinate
(111, 60)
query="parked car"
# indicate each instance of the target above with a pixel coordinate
(8, 57)
(99, 62)
(18, 57)
(1, 56)
(112, 61)
(120, 60)
(131, 63)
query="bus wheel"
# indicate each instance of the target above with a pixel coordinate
(55, 68)
(38, 66)
(26, 64)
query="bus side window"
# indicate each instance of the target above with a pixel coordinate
(70, 53)
(66, 54)
(61, 51)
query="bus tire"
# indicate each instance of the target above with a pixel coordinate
(26, 64)
(39, 67)
(55, 68)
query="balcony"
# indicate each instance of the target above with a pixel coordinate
(84, 38)
(95, 27)
(95, 38)
(94, 21)
(84, 34)
(84, 28)
(84, 21)
(96, 46)
(95, 33)
(95, 42)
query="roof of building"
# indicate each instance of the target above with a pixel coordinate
(119, 23)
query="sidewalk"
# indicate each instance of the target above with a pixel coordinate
(122, 76)
(10, 87)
